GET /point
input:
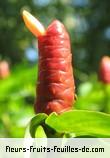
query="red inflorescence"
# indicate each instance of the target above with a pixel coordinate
(4, 69)
(104, 70)
(55, 86)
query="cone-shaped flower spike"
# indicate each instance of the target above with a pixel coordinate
(104, 70)
(55, 86)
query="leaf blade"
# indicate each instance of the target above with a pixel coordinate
(81, 122)
(36, 121)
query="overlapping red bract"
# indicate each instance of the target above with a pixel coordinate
(55, 86)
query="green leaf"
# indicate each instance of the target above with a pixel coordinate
(39, 119)
(81, 123)
(40, 133)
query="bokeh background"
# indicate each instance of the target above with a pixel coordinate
(88, 23)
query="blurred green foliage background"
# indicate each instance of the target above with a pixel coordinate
(88, 23)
